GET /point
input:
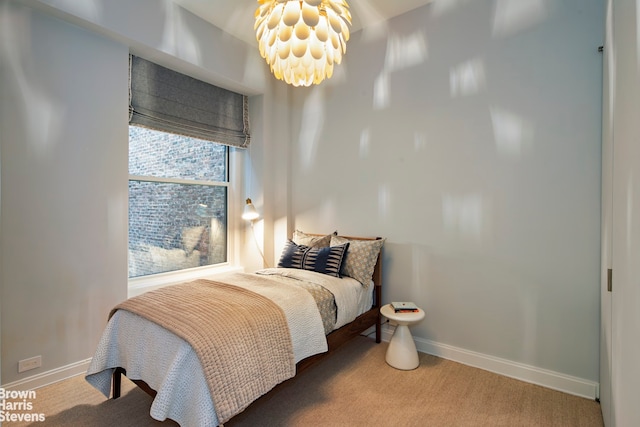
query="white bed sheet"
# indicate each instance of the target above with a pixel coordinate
(166, 362)
(169, 365)
(352, 299)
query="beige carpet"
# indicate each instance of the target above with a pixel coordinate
(353, 387)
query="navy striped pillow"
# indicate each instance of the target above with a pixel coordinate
(326, 260)
(292, 255)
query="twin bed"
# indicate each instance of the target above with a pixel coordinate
(206, 349)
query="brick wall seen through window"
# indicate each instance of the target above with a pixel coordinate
(177, 202)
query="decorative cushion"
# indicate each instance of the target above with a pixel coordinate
(301, 238)
(292, 255)
(327, 260)
(361, 258)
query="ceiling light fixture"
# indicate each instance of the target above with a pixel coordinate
(301, 40)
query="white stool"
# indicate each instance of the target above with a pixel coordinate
(402, 353)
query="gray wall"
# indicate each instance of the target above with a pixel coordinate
(64, 120)
(64, 188)
(469, 137)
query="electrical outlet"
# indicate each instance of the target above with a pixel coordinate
(30, 363)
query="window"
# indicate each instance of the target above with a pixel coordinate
(178, 193)
(180, 131)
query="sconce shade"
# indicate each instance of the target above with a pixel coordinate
(250, 213)
(301, 40)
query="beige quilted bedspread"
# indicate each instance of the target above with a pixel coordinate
(241, 361)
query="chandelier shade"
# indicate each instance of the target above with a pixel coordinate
(301, 40)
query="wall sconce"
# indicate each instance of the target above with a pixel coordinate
(250, 213)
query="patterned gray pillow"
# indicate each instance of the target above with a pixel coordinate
(361, 258)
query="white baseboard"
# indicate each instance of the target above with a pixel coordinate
(531, 374)
(520, 371)
(49, 377)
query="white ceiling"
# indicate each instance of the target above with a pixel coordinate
(236, 17)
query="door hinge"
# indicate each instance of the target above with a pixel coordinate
(609, 279)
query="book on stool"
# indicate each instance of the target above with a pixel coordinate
(404, 307)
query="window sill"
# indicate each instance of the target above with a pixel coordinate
(140, 285)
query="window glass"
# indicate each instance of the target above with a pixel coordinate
(177, 202)
(166, 155)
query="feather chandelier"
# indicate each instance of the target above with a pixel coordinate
(301, 40)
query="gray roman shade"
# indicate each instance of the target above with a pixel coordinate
(165, 100)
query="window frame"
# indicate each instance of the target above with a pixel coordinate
(141, 284)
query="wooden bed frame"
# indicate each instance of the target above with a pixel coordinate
(334, 340)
